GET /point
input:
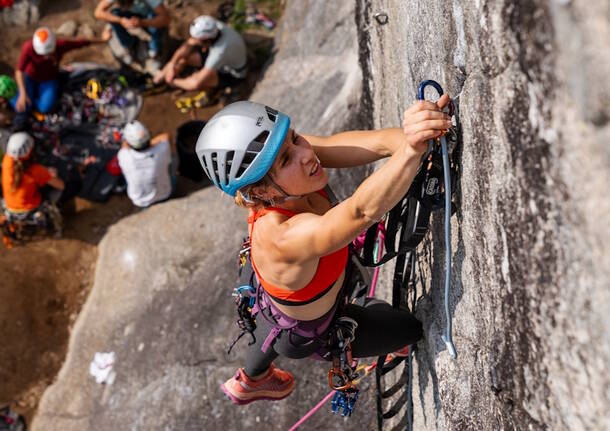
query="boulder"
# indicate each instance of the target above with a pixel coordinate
(67, 29)
(85, 31)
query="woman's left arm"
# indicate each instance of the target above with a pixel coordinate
(355, 148)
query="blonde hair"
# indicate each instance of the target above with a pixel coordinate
(245, 199)
(19, 167)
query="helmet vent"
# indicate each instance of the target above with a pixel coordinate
(215, 167)
(271, 113)
(230, 156)
(260, 139)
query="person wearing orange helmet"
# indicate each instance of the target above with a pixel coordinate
(38, 67)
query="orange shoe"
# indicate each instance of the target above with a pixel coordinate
(402, 352)
(276, 385)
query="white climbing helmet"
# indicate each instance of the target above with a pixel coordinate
(238, 146)
(204, 27)
(44, 41)
(136, 135)
(19, 145)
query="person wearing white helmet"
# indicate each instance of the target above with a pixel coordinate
(38, 67)
(22, 178)
(125, 15)
(217, 53)
(300, 239)
(148, 164)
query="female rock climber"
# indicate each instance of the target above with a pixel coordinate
(299, 241)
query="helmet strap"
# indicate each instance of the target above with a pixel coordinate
(285, 196)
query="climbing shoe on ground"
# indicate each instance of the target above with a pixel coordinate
(276, 385)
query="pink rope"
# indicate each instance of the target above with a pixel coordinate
(312, 411)
(359, 243)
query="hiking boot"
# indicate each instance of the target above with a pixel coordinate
(276, 385)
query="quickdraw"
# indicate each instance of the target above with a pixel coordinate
(245, 296)
(431, 191)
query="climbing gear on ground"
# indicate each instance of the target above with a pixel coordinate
(11, 420)
(17, 227)
(203, 27)
(43, 41)
(94, 89)
(200, 100)
(19, 145)
(239, 144)
(8, 87)
(276, 385)
(136, 135)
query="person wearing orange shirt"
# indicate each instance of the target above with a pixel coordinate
(22, 179)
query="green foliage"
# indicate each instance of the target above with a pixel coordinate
(238, 20)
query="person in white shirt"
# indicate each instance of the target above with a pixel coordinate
(216, 51)
(148, 165)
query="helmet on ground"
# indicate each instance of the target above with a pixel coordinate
(204, 27)
(19, 145)
(136, 135)
(239, 144)
(43, 41)
(8, 87)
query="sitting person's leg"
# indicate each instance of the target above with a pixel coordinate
(157, 39)
(382, 329)
(30, 89)
(126, 39)
(46, 97)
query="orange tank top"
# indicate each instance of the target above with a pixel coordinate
(328, 272)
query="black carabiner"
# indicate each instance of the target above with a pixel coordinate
(439, 90)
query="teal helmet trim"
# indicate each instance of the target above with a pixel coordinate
(238, 146)
(263, 162)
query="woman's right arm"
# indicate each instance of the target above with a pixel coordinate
(308, 236)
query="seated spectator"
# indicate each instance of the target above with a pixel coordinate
(149, 165)
(218, 53)
(38, 67)
(149, 15)
(8, 90)
(22, 179)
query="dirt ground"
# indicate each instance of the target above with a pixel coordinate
(46, 282)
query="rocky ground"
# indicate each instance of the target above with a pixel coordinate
(45, 283)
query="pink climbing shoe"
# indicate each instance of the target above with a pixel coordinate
(276, 385)
(402, 352)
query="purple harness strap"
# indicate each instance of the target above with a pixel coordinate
(305, 328)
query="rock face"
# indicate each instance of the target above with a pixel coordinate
(530, 237)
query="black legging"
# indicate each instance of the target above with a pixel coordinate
(381, 329)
